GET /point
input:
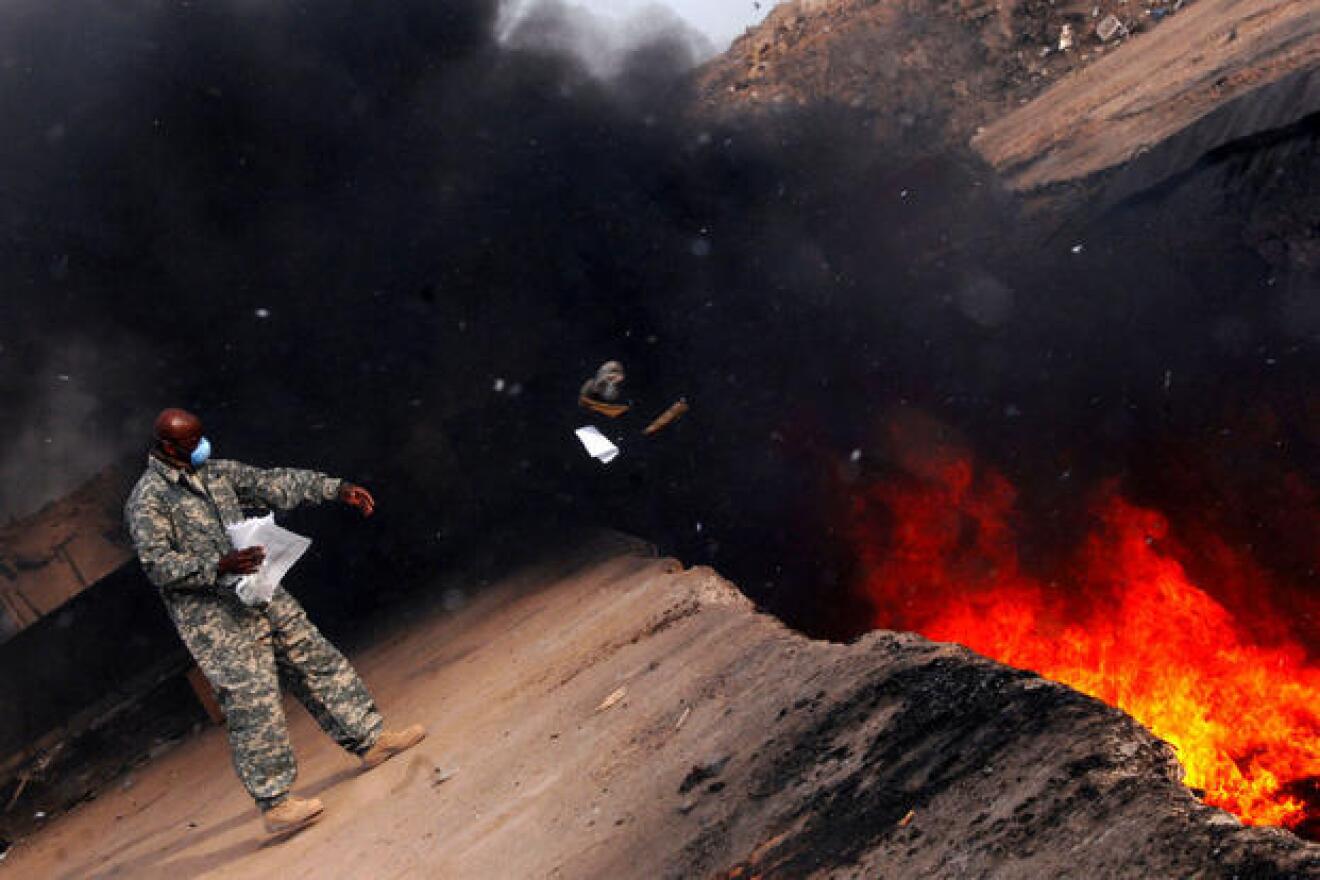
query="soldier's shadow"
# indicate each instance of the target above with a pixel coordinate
(170, 861)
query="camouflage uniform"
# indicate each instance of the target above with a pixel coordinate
(178, 521)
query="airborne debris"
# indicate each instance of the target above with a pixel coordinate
(1066, 38)
(598, 446)
(667, 418)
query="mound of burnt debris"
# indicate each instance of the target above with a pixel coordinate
(927, 74)
(900, 757)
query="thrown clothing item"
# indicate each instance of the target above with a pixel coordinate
(601, 393)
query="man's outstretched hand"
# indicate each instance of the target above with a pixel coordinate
(356, 496)
(245, 561)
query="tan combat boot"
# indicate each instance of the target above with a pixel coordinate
(293, 814)
(390, 743)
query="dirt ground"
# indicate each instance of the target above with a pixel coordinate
(1148, 92)
(927, 74)
(611, 715)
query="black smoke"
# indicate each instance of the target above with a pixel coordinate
(374, 239)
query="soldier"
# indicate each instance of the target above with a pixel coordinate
(177, 515)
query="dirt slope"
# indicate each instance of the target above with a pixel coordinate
(927, 72)
(1149, 93)
(734, 747)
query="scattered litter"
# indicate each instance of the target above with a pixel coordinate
(855, 456)
(1078, 248)
(687, 710)
(39, 814)
(1168, 380)
(612, 699)
(1110, 28)
(597, 444)
(903, 823)
(699, 528)
(443, 775)
(1066, 38)
(701, 772)
(262, 313)
(64, 377)
(499, 385)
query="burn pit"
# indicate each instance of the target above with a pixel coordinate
(1121, 621)
(514, 223)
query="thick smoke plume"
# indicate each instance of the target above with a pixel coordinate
(379, 240)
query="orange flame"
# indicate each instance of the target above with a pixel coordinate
(939, 557)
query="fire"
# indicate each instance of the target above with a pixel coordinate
(939, 556)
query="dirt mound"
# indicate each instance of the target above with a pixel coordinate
(619, 717)
(927, 74)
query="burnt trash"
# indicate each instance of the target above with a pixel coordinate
(1110, 28)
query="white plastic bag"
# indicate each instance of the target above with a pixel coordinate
(598, 446)
(283, 549)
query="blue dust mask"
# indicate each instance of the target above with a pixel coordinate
(201, 453)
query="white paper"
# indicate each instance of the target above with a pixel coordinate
(283, 549)
(598, 446)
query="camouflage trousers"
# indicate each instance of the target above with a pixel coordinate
(246, 653)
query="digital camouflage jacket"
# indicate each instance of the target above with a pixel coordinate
(177, 520)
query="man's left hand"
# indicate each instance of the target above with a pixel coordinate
(356, 496)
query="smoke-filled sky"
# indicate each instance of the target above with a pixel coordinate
(719, 20)
(390, 241)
